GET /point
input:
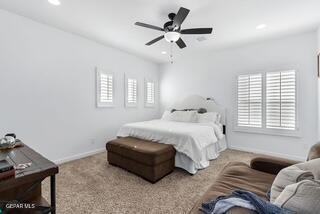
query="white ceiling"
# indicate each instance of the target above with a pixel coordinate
(111, 22)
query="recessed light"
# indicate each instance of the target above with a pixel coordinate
(261, 27)
(54, 2)
(163, 52)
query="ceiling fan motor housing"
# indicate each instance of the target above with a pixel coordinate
(169, 26)
(171, 16)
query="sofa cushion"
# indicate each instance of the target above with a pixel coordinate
(237, 175)
(302, 197)
(142, 151)
(294, 174)
(287, 176)
(314, 152)
(312, 166)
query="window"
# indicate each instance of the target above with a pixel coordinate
(267, 104)
(131, 92)
(105, 89)
(149, 93)
(281, 100)
(250, 100)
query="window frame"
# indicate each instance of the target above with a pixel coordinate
(100, 104)
(127, 104)
(149, 105)
(264, 130)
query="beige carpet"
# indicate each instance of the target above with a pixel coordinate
(90, 185)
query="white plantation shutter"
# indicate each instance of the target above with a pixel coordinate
(132, 92)
(281, 100)
(105, 92)
(150, 94)
(106, 84)
(250, 100)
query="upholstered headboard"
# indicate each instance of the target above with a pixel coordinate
(196, 102)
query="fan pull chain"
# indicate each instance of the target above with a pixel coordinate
(171, 53)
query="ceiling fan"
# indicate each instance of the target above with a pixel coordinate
(172, 29)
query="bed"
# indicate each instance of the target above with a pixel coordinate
(196, 140)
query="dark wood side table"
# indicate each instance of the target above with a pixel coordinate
(25, 187)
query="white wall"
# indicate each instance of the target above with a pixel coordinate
(318, 38)
(213, 74)
(47, 88)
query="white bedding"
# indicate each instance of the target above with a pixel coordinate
(198, 142)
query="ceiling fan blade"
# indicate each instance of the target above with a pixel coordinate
(149, 26)
(197, 31)
(181, 43)
(180, 17)
(155, 40)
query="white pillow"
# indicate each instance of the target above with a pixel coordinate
(184, 116)
(166, 115)
(218, 119)
(209, 117)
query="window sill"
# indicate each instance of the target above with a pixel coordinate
(265, 131)
(131, 106)
(149, 106)
(105, 105)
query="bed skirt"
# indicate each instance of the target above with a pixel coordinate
(212, 152)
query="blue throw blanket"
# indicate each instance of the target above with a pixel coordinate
(245, 199)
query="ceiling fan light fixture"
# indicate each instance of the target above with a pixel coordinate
(172, 36)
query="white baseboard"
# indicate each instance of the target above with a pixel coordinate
(244, 149)
(79, 156)
(262, 152)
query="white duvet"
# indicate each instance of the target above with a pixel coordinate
(191, 139)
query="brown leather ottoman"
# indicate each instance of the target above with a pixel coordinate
(150, 160)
